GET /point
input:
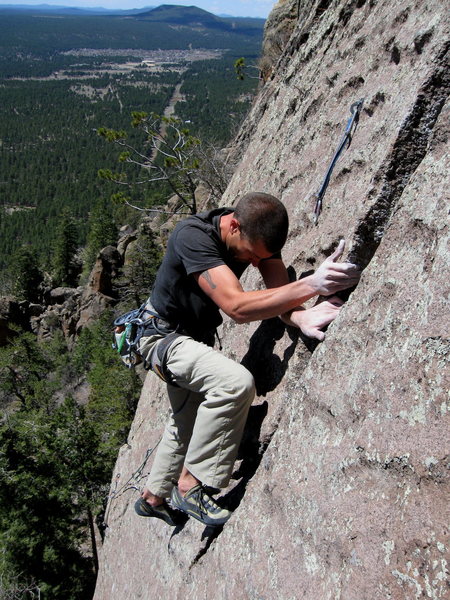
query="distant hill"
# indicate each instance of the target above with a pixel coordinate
(191, 16)
(170, 13)
(151, 29)
(188, 16)
(68, 10)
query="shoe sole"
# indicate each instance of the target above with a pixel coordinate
(140, 508)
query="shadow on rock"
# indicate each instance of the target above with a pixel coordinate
(251, 452)
(268, 368)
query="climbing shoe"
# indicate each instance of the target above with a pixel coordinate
(163, 511)
(198, 504)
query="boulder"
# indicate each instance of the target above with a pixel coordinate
(60, 295)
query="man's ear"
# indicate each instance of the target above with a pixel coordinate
(235, 226)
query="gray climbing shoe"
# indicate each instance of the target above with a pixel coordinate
(163, 511)
(198, 504)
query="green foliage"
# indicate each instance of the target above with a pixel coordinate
(242, 70)
(113, 389)
(144, 258)
(164, 152)
(24, 366)
(216, 102)
(110, 135)
(25, 274)
(49, 157)
(57, 457)
(43, 493)
(40, 519)
(64, 267)
(138, 118)
(102, 232)
(239, 67)
(120, 198)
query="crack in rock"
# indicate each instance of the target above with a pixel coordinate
(407, 153)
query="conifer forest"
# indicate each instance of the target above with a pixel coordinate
(63, 77)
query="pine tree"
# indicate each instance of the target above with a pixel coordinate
(56, 460)
(25, 275)
(142, 264)
(42, 522)
(24, 366)
(64, 266)
(102, 231)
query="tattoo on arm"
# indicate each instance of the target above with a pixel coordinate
(207, 277)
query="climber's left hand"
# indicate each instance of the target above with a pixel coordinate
(311, 321)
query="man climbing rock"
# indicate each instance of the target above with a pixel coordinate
(210, 394)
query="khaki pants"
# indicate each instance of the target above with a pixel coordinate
(209, 411)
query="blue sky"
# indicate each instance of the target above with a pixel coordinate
(237, 8)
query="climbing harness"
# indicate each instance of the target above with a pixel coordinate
(350, 129)
(128, 330)
(130, 327)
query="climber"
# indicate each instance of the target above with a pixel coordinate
(210, 394)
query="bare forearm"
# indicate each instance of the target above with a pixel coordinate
(265, 304)
(223, 288)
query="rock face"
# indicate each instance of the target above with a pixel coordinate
(341, 490)
(277, 31)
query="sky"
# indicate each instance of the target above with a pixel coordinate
(236, 8)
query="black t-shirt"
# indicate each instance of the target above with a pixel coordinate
(194, 246)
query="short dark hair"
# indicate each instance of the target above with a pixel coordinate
(263, 218)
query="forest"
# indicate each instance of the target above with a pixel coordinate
(59, 87)
(49, 150)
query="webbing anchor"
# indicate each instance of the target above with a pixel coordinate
(350, 129)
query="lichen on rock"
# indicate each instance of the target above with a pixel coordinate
(341, 488)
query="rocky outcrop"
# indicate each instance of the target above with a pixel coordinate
(65, 309)
(60, 313)
(277, 30)
(99, 293)
(341, 489)
(126, 236)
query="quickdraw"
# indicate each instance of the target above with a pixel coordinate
(350, 128)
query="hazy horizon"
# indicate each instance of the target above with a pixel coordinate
(236, 8)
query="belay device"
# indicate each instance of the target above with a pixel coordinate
(350, 128)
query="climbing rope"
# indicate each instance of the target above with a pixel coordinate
(133, 483)
(350, 129)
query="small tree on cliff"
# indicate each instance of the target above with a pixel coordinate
(165, 152)
(241, 68)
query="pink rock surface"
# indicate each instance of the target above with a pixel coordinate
(341, 490)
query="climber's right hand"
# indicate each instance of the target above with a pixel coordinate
(333, 276)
